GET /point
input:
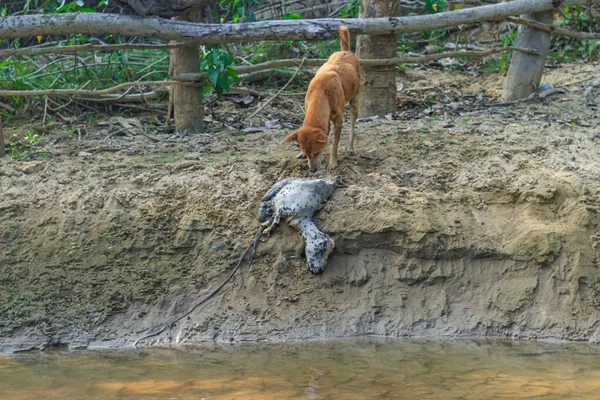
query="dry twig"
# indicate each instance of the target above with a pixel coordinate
(135, 97)
(7, 107)
(555, 29)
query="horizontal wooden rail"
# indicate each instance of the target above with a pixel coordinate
(318, 29)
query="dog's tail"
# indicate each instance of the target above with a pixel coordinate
(344, 38)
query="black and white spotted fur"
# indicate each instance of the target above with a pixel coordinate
(298, 200)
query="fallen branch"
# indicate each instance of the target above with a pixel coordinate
(319, 29)
(439, 56)
(555, 30)
(104, 149)
(276, 94)
(269, 74)
(533, 96)
(143, 107)
(7, 107)
(246, 69)
(38, 51)
(83, 92)
(87, 67)
(125, 98)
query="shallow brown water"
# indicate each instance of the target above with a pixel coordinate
(367, 368)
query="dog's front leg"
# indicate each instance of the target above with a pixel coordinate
(337, 132)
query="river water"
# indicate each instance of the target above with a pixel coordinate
(365, 368)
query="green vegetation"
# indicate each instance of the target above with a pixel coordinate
(101, 70)
(581, 19)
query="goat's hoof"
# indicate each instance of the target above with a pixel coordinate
(351, 152)
(315, 271)
(265, 224)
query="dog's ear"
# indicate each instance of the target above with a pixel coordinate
(292, 138)
(321, 138)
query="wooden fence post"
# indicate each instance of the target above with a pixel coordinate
(378, 94)
(525, 71)
(186, 101)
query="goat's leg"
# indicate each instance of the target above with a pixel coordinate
(274, 224)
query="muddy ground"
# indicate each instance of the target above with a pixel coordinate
(458, 219)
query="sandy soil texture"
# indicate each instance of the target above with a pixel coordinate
(458, 219)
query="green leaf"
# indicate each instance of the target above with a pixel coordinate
(22, 85)
(233, 73)
(15, 64)
(292, 16)
(226, 59)
(213, 76)
(593, 45)
(223, 83)
(429, 6)
(19, 67)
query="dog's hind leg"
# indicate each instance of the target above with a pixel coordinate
(353, 116)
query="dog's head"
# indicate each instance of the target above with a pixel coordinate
(312, 142)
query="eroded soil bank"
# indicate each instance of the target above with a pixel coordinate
(460, 220)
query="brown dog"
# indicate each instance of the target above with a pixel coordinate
(336, 83)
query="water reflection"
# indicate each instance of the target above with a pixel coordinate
(365, 368)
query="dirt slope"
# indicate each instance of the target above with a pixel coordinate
(462, 220)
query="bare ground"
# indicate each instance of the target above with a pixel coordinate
(460, 219)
